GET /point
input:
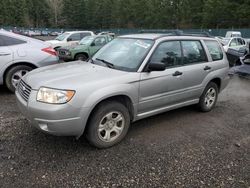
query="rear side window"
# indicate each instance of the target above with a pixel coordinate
(214, 50)
(9, 41)
(168, 53)
(193, 52)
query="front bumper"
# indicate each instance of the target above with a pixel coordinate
(59, 120)
(65, 55)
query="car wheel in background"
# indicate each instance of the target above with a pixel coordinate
(81, 57)
(209, 97)
(14, 75)
(108, 124)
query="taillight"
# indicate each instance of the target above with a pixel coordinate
(50, 51)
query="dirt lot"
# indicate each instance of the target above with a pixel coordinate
(182, 148)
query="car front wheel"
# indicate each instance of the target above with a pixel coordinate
(108, 124)
(81, 57)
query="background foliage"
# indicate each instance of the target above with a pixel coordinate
(143, 14)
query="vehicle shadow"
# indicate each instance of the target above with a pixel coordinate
(157, 124)
(4, 90)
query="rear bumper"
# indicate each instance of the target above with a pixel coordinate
(52, 60)
(59, 120)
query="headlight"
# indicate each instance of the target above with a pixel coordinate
(54, 96)
(67, 53)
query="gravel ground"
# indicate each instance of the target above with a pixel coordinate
(181, 148)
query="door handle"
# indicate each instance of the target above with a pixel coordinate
(207, 68)
(177, 73)
(4, 54)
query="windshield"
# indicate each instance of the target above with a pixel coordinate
(86, 40)
(124, 54)
(62, 36)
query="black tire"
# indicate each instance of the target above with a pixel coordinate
(11, 72)
(81, 57)
(92, 132)
(203, 104)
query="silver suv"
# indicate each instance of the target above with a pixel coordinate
(131, 78)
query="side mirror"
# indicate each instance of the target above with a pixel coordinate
(156, 67)
(69, 39)
(92, 44)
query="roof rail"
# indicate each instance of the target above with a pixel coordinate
(196, 34)
(178, 33)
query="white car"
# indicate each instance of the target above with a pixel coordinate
(235, 43)
(231, 34)
(69, 38)
(19, 55)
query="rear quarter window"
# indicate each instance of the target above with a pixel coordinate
(9, 41)
(214, 50)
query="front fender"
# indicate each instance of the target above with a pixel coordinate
(6, 66)
(129, 90)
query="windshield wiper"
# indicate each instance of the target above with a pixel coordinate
(110, 65)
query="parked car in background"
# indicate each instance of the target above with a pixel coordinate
(107, 33)
(44, 33)
(69, 38)
(54, 33)
(130, 78)
(235, 43)
(19, 55)
(242, 68)
(231, 34)
(87, 47)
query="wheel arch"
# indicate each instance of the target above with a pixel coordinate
(124, 99)
(17, 64)
(217, 81)
(84, 53)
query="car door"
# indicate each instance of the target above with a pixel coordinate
(195, 69)
(235, 44)
(98, 43)
(6, 54)
(159, 88)
(180, 83)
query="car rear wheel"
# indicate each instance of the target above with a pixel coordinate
(14, 75)
(81, 57)
(108, 125)
(209, 97)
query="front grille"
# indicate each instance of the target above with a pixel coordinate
(24, 90)
(62, 52)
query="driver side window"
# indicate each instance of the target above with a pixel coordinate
(75, 37)
(168, 53)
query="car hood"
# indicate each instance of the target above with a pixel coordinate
(71, 75)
